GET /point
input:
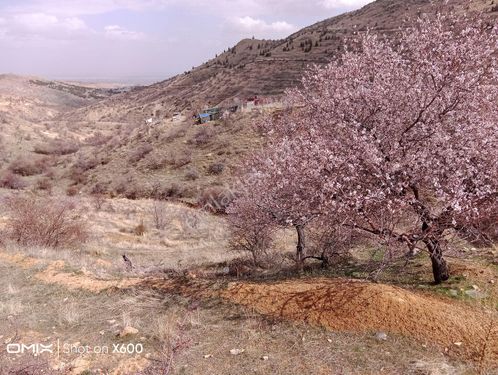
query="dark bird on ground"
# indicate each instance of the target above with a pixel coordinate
(128, 263)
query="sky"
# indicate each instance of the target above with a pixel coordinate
(141, 41)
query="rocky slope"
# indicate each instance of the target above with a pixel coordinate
(265, 67)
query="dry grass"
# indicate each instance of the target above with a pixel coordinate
(89, 296)
(191, 336)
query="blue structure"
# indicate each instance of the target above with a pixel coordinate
(209, 115)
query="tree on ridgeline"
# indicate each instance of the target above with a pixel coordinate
(397, 138)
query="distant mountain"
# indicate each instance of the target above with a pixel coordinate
(266, 67)
(30, 107)
(35, 99)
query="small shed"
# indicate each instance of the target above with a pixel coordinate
(210, 114)
(202, 118)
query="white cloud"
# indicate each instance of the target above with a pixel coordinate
(43, 26)
(120, 33)
(339, 4)
(69, 8)
(253, 26)
(225, 8)
(35, 21)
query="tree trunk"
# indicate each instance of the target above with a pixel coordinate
(301, 247)
(439, 266)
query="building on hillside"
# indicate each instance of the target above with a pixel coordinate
(202, 118)
(210, 114)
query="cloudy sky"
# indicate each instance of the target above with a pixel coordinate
(141, 40)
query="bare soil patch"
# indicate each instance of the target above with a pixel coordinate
(355, 306)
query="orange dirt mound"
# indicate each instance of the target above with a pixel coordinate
(356, 306)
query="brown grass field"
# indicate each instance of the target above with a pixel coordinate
(182, 303)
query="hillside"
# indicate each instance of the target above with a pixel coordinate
(30, 107)
(171, 151)
(263, 67)
(126, 144)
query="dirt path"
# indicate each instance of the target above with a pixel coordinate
(54, 274)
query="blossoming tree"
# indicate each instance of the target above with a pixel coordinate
(398, 136)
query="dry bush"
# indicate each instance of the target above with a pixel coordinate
(163, 192)
(216, 199)
(97, 139)
(139, 152)
(191, 175)
(328, 242)
(172, 135)
(25, 167)
(57, 147)
(98, 200)
(83, 164)
(140, 229)
(155, 161)
(45, 222)
(202, 137)
(172, 333)
(120, 184)
(44, 184)
(160, 215)
(256, 240)
(216, 168)
(179, 160)
(9, 180)
(71, 191)
(77, 176)
(482, 230)
(99, 188)
(136, 190)
(130, 188)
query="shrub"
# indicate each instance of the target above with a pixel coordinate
(482, 230)
(25, 167)
(159, 215)
(120, 184)
(256, 240)
(97, 139)
(330, 240)
(172, 135)
(133, 191)
(154, 161)
(99, 188)
(98, 201)
(216, 199)
(139, 152)
(45, 222)
(9, 180)
(44, 184)
(164, 192)
(202, 137)
(85, 164)
(71, 191)
(191, 175)
(180, 160)
(216, 168)
(78, 175)
(140, 229)
(57, 147)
